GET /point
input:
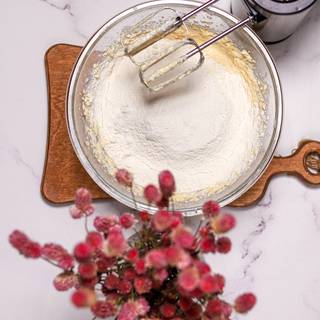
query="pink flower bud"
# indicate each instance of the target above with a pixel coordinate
(185, 303)
(217, 307)
(144, 216)
(210, 209)
(214, 307)
(95, 240)
(52, 251)
(66, 262)
(133, 255)
(177, 257)
(162, 220)
(204, 231)
(245, 302)
(194, 312)
(156, 258)
(196, 293)
(168, 310)
(178, 219)
(83, 198)
(112, 281)
(207, 245)
(223, 223)
(116, 242)
(227, 309)
(65, 281)
(104, 309)
(82, 251)
(160, 275)
(104, 223)
(128, 311)
(58, 254)
(83, 297)
(167, 183)
(83, 202)
(140, 266)
(142, 306)
(103, 262)
(75, 212)
(183, 237)
(152, 193)
(32, 250)
(202, 267)
(127, 220)
(189, 279)
(211, 284)
(24, 245)
(124, 177)
(89, 283)
(18, 239)
(224, 245)
(129, 274)
(124, 287)
(87, 270)
(142, 284)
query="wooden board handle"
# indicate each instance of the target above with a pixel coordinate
(304, 163)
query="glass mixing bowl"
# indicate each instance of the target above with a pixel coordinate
(218, 20)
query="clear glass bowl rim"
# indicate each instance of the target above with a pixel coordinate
(110, 190)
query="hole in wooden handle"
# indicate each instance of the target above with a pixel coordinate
(312, 162)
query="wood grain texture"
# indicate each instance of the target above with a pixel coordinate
(63, 173)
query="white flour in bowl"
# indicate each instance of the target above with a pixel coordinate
(206, 129)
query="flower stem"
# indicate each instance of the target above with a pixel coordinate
(86, 223)
(199, 226)
(135, 230)
(51, 262)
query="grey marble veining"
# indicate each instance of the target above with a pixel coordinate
(65, 6)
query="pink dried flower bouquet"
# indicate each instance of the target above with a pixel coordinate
(157, 274)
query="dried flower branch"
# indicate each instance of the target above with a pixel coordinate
(157, 274)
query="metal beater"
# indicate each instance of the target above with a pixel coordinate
(164, 67)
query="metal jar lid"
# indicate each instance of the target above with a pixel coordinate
(283, 7)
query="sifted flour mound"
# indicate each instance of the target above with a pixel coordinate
(206, 129)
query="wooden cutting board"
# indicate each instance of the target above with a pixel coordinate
(63, 173)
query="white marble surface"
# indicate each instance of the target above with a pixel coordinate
(276, 243)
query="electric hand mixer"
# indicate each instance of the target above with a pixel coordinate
(173, 63)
